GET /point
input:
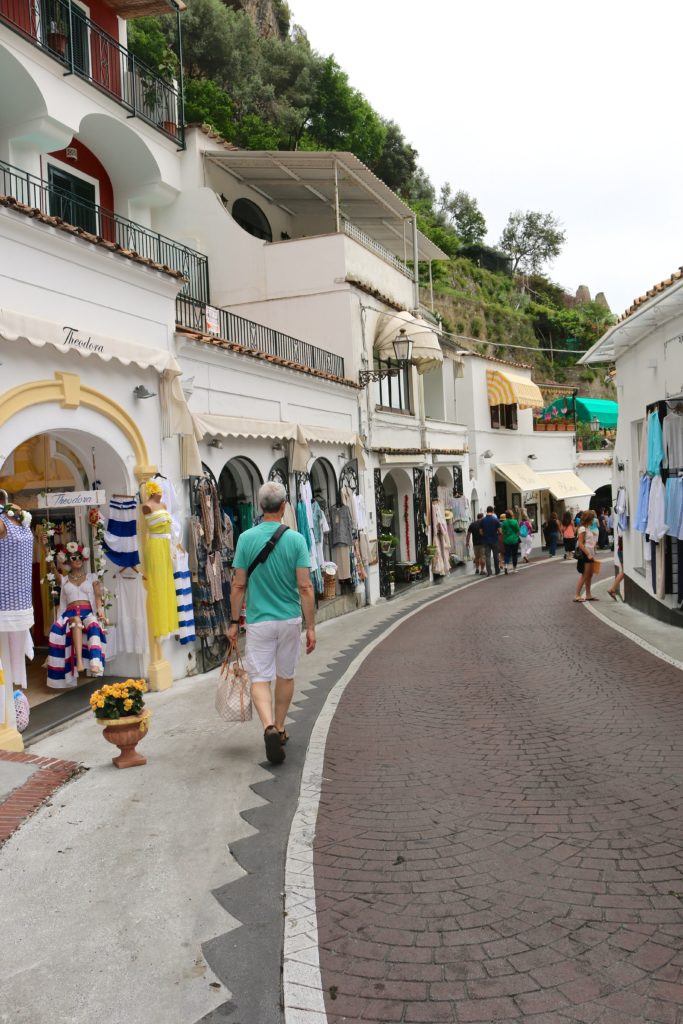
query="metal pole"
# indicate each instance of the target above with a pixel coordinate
(416, 271)
(431, 286)
(181, 87)
(336, 196)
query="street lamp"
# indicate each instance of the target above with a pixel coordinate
(403, 351)
(595, 424)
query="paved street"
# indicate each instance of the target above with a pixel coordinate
(499, 835)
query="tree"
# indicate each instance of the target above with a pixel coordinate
(396, 164)
(462, 212)
(532, 239)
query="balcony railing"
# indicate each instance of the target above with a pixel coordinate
(84, 49)
(379, 250)
(257, 337)
(47, 197)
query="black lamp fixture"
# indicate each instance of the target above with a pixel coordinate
(142, 392)
(595, 424)
(403, 352)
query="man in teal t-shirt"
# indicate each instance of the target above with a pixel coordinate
(278, 591)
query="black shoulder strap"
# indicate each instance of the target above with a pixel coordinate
(267, 548)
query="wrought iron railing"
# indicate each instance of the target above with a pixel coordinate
(379, 250)
(249, 334)
(50, 199)
(84, 49)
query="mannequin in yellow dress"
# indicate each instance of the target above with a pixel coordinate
(163, 607)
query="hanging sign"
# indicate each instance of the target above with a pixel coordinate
(212, 325)
(70, 499)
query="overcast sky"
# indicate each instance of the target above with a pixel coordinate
(547, 105)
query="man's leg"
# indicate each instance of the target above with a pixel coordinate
(487, 554)
(495, 552)
(263, 702)
(287, 658)
(260, 663)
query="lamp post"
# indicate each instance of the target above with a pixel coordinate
(595, 424)
(403, 351)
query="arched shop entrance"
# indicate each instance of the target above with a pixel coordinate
(602, 498)
(60, 476)
(394, 495)
(324, 487)
(238, 487)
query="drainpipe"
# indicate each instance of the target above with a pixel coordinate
(416, 266)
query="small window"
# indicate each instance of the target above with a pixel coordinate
(394, 392)
(252, 218)
(504, 416)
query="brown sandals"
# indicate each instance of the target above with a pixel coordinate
(274, 745)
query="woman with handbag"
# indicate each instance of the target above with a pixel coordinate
(587, 539)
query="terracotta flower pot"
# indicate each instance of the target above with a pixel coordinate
(125, 733)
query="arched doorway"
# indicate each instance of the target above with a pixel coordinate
(398, 494)
(602, 498)
(324, 487)
(238, 487)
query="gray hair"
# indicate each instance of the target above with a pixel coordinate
(271, 496)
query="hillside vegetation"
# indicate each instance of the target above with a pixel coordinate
(257, 81)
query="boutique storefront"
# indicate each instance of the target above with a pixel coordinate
(79, 452)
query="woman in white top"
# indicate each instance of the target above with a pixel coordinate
(77, 635)
(586, 542)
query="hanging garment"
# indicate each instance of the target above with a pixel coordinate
(131, 615)
(656, 510)
(120, 543)
(642, 506)
(245, 511)
(361, 515)
(214, 575)
(170, 500)
(655, 445)
(341, 536)
(621, 508)
(674, 505)
(320, 528)
(159, 572)
(672, 435)
(15, 648)
(348, 498)
(183, 590)
(209, 513)
(660, 561)
(76, 611)
(16, 562)
(441, 563)
(289, 518)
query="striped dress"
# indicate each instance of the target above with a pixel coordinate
(61, 658)
(183, 591)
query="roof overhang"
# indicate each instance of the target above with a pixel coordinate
(304, 183)
(141, 8)
(656, 312)
(564, 485)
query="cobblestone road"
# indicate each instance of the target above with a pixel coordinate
(500, 832)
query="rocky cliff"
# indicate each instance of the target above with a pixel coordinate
(271, 17)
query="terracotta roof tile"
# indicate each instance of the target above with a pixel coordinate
(56, 222)
(232, 346)
(655, 290)
(495, 359)
(212, 134)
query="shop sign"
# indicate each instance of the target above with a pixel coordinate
(70, 499)
(72, 339)
(212, 324)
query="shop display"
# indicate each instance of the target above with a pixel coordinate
(163, 608)
(131, 614)
(77, 635)
(441, 540)
(183, 590)
(209, 558)
(16, 602)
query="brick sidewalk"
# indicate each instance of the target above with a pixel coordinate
(23, 801)
(499, 835)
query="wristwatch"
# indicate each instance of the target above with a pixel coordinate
(234, 622)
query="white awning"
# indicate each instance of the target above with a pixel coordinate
(520, 476)
(74, 337)
(565, 484)
(241, 426)
(427, 354)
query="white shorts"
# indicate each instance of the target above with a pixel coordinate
(273, 649)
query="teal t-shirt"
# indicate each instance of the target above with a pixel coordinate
(272, 591)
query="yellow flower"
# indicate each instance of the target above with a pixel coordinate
(127, 705)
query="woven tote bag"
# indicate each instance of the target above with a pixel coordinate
(233, 696)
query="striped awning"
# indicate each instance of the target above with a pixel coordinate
(509, 389)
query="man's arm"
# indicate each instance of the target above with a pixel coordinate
(238, 588)
(306, 593)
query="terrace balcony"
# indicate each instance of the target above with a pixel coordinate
(111, 227)
(83, 48)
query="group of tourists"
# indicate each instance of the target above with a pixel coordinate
(491, 536)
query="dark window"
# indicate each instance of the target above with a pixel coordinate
(252, 218)
(66, 31)
(504, 416)
(394, 392)
(72, 199)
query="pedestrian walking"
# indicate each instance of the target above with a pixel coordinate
(614, 591)
(526, 535)
(553, 534)
(587, 540)
(568, 535)
(603, 530)
(271, 566)
(490, 526)
(510, 531)
(475, 536)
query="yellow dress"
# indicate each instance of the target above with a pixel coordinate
(163, 606)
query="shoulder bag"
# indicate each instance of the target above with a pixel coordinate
(266, 549)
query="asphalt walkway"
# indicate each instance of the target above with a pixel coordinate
(499, 827)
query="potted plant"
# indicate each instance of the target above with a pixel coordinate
(57, 37)
(120, 709)
(387, 543)
(414, 572)
(387, 516)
